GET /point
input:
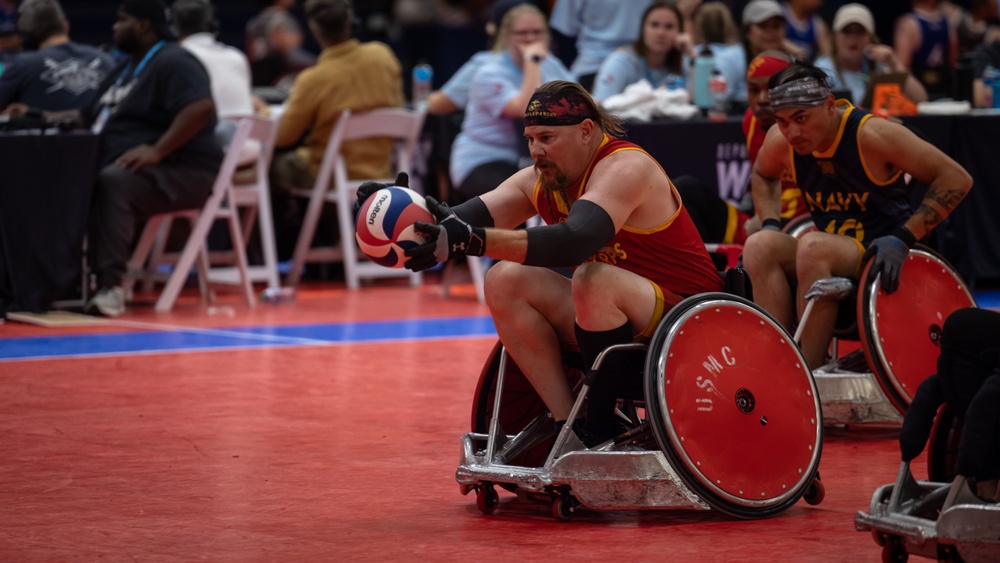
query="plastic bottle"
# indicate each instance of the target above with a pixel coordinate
(704, 63)
(989, 87)
(720, 104)
(278, 295)
(423, 77)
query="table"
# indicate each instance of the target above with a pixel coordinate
(45, 190)
(716, 153)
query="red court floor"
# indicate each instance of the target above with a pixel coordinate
(328, 452)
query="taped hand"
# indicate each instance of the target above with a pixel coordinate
(449, 238)
(890, 253)
(368, 188)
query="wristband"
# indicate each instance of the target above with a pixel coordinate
(904, 234)
(771, 222)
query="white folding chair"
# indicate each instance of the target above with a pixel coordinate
(252, 196)
(220, 205)
(400, 124)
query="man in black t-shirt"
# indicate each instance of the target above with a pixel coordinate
(156, 120)
(56, 74)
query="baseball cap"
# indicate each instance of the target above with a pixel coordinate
(759, 11)
(155, 11)
(854, 13)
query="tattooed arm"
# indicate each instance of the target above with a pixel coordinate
(889, 147)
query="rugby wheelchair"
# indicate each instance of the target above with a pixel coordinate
(722, 414)
(895, 338)
(951, 516)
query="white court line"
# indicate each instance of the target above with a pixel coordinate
(220, 332)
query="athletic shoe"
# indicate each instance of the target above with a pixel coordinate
(109, 302)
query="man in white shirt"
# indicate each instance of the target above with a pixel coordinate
(227, 66)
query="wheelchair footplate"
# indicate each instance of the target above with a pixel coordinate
(942, 521)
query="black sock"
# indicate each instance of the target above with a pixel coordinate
(602, 396)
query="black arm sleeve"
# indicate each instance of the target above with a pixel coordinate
(585, 230)
(474, 212)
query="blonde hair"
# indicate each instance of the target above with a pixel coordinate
(714, 24)
(507, 24)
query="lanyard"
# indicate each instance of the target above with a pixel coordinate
(128, 72)
(105, 113)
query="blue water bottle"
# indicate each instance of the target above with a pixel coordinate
(704, 64)
(423, 76)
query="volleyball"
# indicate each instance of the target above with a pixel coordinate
(384, 228)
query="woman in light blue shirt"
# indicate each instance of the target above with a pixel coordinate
(659, 54)
(487, 150)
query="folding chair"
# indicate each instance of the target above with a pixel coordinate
(220, 205)
(400, 124)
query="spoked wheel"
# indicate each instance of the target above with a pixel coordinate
(733, 405)
(901, 332)
(521, 404)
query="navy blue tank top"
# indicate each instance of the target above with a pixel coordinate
(930, 62)
(840, 192)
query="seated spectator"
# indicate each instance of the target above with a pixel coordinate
(660, 54)
(156, 122)
(487, 150)
(926, 45)
(10, 41)
(857, 55)
(57, 74)
(805, 29)
(454, 95)
(227, 67)
(599, 26)
(713, 23)
(274, 45)
(348, 75)
(973, 26)
(987, 54)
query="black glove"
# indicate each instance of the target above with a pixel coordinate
(890, 253)
(449, 238)
(368, 188)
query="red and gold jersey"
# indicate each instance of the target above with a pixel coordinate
(792, 202)
(672, 254)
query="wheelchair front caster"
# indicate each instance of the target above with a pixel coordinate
(815, 492)
(893, 551)
(563, 506)
(487, 498)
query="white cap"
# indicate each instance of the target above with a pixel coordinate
(854, 13)
(759, 11)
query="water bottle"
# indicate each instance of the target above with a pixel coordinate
(423, 77)
(990, 97)
(720, 105)
(704, 64)
(278, 295)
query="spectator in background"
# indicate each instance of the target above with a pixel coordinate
(227, 67)
(58, 74)
(987, 54)
(599, 26)
(714, 24)
(487, 150)
(973, 26)
(348, 75)
(157, 122)
(926, 45)
(688, 9)
(857, 55)
(805, 29)
(454, 95)
(660, 54)
(274, 45)
(10, 41)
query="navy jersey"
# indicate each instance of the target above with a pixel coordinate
(803, 34)
(930, 63)
(842, 196)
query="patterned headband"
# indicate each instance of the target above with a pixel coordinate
(550, 108)
(801, 93)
